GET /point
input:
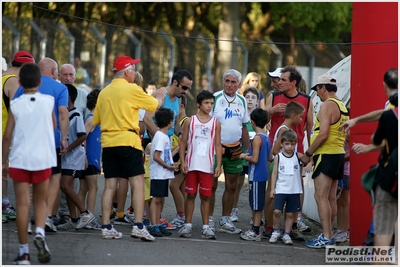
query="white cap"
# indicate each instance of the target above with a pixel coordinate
(276, 73)
(4, 64)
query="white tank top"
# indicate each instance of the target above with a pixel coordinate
(201, 147)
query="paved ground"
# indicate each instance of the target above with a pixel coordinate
(86, 247)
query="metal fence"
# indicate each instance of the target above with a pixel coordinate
(160, 53)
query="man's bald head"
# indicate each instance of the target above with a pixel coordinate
(67, 74)
(48, 67)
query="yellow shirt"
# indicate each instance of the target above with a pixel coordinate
(117, 111)
(4, 110)
(334, 144)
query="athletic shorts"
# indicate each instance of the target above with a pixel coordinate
(122, 161)
(257, 195)
(385, 212)
(346, 182)
(57, 169)
(159, 188)
(292, 202)
(73, 173)
(90, 170)
(31, 177)
(230, 166)
(147, 196)
(331, 165)
(201, 180)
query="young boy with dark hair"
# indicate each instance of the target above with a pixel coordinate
(30, 111)
(202, 139)
(72, 166)
(162, 169)
(286, 186)
(258, 156)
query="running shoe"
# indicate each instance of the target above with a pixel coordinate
(340, 236)
(211, 223)
(43, 251)
(9, 212)
(110, 234)
(50, 227)
(22, 260)
(69, 225)
(85, 219)
(141, 233)
(123, 221)
(94, 225)
(167, 225)
(164, 232)
(304, 228)
(185, 231)
(274, 237)
(234, 215)
(208, 233)
(267, 234)
(287, 240)
(155, 231)
(178, 221)
(250, 235)
(226, 226)
(30, 228)
(295, 234)
(320, 242)
(5, 220)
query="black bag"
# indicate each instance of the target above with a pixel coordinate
(388, 178)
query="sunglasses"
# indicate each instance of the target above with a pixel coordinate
(184, 87)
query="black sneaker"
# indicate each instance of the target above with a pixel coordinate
(164, 232)
(56, 220)
(267, 234)
(23, 260)
(155, 231)
(122, 221)
(295, 234)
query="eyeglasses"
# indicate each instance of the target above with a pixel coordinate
(184, 87)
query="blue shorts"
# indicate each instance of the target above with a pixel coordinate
(292, 202)
(346, 182)
(257, 195)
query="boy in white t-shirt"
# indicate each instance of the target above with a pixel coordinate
(162, 168)
(286, 186)
(202, 138)
(30, 111)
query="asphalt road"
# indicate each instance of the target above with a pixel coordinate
(86, 247)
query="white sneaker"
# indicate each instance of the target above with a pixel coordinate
(304, 228)
(228, 227)
(85, 219)
(49, 226)
(340, 236)
(185, 231)
(234, 215)
(211, 223)
(43, 250)
(110, 234)
(249, 235)
(286, 240)
(93, 226)
(141, 233)
(208, 233)
(274, 237)
(69, 225)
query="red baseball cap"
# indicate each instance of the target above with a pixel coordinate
(124, 61)
(23, 57)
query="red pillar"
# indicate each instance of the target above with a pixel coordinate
(374, 50)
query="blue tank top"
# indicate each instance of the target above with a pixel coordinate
(172, 105)
(93, 145)
(259, 172)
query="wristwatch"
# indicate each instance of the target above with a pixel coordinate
(308, 154)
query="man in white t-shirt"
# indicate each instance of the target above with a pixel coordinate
(230, 109)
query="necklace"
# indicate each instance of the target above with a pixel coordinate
(30, 90)
(229, 102)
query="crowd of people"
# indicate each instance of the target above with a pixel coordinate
(142, 139)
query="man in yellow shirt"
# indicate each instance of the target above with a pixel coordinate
(117, 112)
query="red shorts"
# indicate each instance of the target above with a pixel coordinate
(196, 178)
(32, 177)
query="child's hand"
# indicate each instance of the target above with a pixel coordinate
(272, 193)
(184, 168)
(217, 172)
(175, 167)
